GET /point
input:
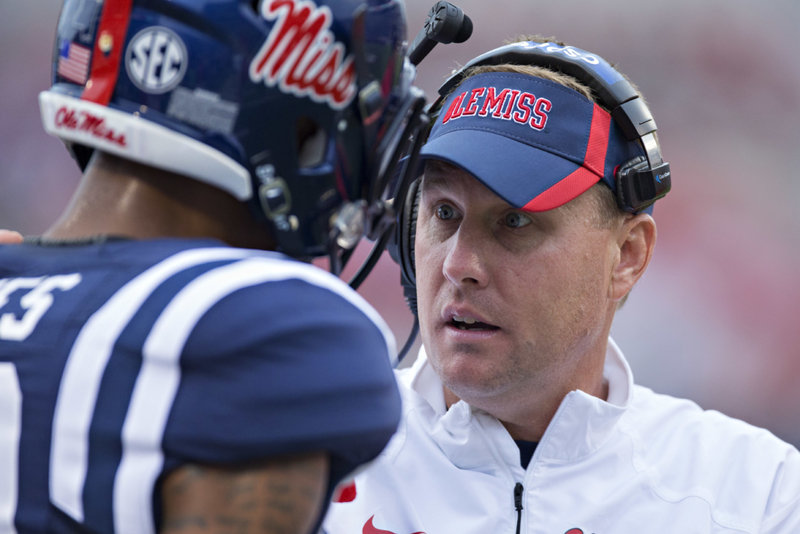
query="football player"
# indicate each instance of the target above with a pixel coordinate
(162, 368)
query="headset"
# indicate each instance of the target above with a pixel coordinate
(446, 23)
(640, 182)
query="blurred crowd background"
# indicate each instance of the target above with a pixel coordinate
(715, 318)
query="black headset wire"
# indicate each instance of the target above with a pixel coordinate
(372, 259)
(414, 129)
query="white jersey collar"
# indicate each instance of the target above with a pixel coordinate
(581, 425)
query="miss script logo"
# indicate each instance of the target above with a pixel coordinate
(300, 55)
(83, 121)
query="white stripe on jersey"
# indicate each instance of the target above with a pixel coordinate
(10, 428)
(159, 377)
(77, 395)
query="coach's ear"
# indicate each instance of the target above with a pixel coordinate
(7, 237)
(636, 240)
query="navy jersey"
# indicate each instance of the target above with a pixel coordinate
(120, 361)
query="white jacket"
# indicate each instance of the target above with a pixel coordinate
(640, 463)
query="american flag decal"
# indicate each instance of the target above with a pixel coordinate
(73, 62)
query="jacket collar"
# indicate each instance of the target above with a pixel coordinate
(581, 425)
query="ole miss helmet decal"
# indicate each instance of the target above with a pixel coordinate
(300, 55)
(91, 125)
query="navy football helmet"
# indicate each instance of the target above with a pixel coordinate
(300, 108)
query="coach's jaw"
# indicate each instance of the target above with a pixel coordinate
(541, 288)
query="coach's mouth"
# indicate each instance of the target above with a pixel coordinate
(467, 320)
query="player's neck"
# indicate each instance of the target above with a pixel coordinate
(123, 198)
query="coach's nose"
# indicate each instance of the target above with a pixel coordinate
(465, 263)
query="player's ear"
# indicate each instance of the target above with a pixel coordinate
(636, 240)
(7, 237)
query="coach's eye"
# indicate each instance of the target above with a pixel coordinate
(517, 220)
(445, 212)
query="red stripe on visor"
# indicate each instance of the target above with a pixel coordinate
(584, 177)
(597, 146)
(107, 53)
(564, 191)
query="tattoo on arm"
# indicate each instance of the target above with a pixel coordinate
(283, 496)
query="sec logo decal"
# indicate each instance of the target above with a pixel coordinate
(156, 60)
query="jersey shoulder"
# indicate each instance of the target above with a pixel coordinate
(271, 300)
(275, 357)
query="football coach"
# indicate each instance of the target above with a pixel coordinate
(531, 224)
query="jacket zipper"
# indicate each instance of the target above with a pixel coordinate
(518, 489)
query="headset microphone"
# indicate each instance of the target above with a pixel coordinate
(445, 24)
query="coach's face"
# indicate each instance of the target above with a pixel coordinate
(508, 301)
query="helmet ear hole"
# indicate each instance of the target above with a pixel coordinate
(312, 143)
(255, 5)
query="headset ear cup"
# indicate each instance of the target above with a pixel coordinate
(412, 228)
(408, 226)
(406, 240)
(636, 163)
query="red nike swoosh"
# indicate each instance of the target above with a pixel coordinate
(369, 528)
